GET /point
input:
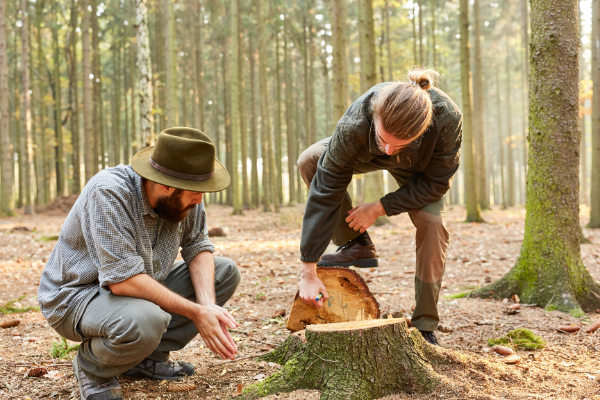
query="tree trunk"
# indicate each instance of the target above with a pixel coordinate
(235, 107)
(170, 60)
(388, 42)
(227, 118)
(473, 208)
(421, 50)
(144, 66)
(74, 98)
(17, 118)
(87, 94)
(289, 130)
(253, 126)
(199, 47)
(525, 93)
(42, 146)
(595, 176)
(97, 117)
(116, 84)
(500, 140)
(414, 32)
(433, 35)
(7, 205)
(357, 360)
(277, 170)
(26, 112)
(583, 149)
(338, 33)
(243, 116)
(549, 270)
(509, 135)
(265, 124)
(59, 149)
(478, 110)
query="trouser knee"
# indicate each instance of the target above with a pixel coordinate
(227, 279)
(308, 159)
(139, 325)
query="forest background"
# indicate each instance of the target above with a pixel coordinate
(264, 79)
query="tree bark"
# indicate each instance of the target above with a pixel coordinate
(87, 94)
(265, 123)
(421, 50)
(549, 270)
(235, 107)
(595, 176)
(199, 46)
(473, 208)
(478, 110)
(97, 107)
(389, 41)
(7, 205)
(500, 140)
(42, 146)
(289, 129)
(26, 112)
(357, 360)
(340, 66)
(144, 66)
(59, 148)
(583, 149)
(74, 97)
(509, 135)
(170, 67)
(243, 115)
(253, 126)
(414, 32)
(433, 34)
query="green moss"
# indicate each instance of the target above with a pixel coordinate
(47, 238)
(578, 313)
(519, 339)
(458, 295)
(550, 307)
(8, 308)
(62, 349)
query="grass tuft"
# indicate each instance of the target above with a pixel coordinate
(8, 308)
(62, 349)
(460, 295)
(520, 339)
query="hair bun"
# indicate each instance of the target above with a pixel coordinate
(422, 77)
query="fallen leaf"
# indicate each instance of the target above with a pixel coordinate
(512, 359)
(515, 298)
(259, 377)
(56, 375)
(279, 313)
(223, 372)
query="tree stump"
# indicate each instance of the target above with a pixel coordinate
(349, 300)
(355, 360)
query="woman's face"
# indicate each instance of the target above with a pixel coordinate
(387, 142)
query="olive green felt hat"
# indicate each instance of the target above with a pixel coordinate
(183, 158)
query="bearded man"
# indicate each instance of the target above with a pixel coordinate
(414, 131)
(113, 283)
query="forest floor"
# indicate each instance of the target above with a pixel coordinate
(266, 247)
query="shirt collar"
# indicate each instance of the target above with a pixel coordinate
(141, 192)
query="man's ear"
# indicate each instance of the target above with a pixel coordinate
(165, 190)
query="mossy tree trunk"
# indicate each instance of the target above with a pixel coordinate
(354, 360)
(549, 270)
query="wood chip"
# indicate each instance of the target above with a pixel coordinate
(512, 359)
(181, 387)
(502, 350)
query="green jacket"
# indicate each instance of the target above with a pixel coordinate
(433, 158)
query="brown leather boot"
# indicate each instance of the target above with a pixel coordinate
(351, 254)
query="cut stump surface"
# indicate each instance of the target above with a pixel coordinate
(349, 300)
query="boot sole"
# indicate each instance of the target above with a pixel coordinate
(364, 263)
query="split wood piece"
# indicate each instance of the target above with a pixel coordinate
(9, 323)
(355, 360)
(349, 300)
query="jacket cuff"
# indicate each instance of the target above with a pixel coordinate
(389, 206)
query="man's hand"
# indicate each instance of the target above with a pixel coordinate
(212, 322)
(310, 286)
(363, 216)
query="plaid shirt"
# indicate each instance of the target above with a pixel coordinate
(111, 234)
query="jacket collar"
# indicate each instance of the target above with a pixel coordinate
(141, 193)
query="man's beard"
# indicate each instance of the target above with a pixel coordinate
(171, 208)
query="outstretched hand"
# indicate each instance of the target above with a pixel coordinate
(212, 323)
(364, 215)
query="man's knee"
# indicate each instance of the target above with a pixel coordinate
(308, 159)
(140, 323)
(227, 279)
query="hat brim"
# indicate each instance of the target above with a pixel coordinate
(141, 165)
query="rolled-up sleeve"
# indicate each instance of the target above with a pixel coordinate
(194, 238)
(109, 220)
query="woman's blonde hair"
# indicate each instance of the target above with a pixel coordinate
(404, 109)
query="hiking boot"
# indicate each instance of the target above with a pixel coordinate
(159, 370)
(430, 337)
(351, 254)
(95, 389)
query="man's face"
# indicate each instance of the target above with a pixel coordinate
(175, 207)
(388, 143)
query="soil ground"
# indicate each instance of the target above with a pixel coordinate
(266, 248)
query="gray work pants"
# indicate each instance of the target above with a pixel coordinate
(117, 332)
(432, 237)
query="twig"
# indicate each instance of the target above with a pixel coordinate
(260, 341)
(33, 365)
(236, 360)
(324, 359)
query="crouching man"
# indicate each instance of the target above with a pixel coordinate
(112, 282)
